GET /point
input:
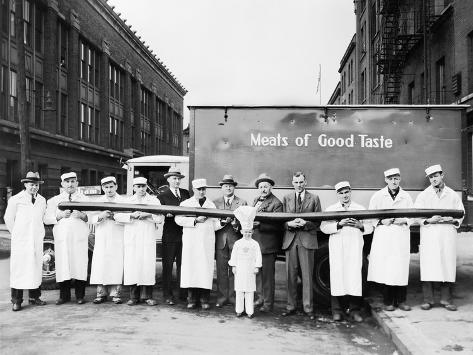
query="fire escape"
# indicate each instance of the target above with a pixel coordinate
(402, 28)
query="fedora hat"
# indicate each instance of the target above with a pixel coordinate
(174, 171)
(228, 179)
(32, 177)
(264, 177)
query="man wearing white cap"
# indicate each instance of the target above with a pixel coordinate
(225, 239)
(71, 240)
(437, 249)
(345, 255)
(390, 249)
(139, 245)
(107, 261)
(198, 247)
(172, 233)
(245, 262)
(24, 220)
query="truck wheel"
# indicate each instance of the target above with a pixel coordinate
(49, 265)
(321, 276)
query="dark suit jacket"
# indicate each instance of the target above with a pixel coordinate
(308, 234)
(268, 235)
(172, 233)
(227, 234)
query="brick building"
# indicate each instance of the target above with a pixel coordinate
(95, 95)
(345, 92)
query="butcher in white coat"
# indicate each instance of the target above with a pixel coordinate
(71, 240)
(24, 220)
(438, 237)
(390, 249)
(140, 245)
(346, 255)
(198, 247)
(107, 261)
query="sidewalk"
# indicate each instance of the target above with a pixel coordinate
(5, 239)
(437, 331)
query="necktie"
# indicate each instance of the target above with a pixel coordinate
(227, 203)
(299, 201)
(33, 199)
(70, 197)
(177, 195)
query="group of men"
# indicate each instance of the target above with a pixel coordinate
(125, 249)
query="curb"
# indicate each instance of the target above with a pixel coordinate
(388, 328)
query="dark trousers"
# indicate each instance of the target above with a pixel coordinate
(17, 295)
(340, 304)
(445, 291)
(265, 281)
(394, 295)
(65, 289)
(225, 278)
(201, 294)
(171, 252)
(144, 292)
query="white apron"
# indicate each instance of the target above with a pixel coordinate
(139, 244)
(71, 240)
(390, 249)
(198, 247)
(345, 253)
(107, 261)
(24, 221)
(246, 256)
(438, 249)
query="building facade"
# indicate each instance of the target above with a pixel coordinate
(94, 95)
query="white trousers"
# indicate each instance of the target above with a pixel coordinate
(244, 302)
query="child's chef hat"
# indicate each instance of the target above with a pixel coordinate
(246, 216)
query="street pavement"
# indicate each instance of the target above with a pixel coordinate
(437, 331)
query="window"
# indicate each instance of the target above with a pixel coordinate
(363, 38)
(4, 15)
(89, 118)
(38, 28)
(363, 86)
(63, 44)
(117, 83)
(440, 88)
(12, 21)
(27, 26)
(410, 93)
(89, 68)
(470, 61)
(3, 92)
(145, 121)
(13, 88)
(29, 90)
(117, 91)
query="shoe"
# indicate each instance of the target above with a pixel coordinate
(151, 302)
(389, 308)
(289, 312)
(337, 317)
(132, 302)
(36, 302)
(404, 307)
(80, 301)
(266, 309)
(117, 300)
(170, 302)
(99, 300)
(239, 315)
(16, 307)
(357, 317)
(311, 315)
(448, 306)
(205, 306)
(191, 306)
(60, 301)
(426, 306)
(251, 316)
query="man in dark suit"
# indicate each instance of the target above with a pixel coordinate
(172, 233)
(224, 240)
(299, 243)
(268, 235)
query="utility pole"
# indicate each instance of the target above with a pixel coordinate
(23, 123)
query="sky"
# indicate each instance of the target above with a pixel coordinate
(246, 52)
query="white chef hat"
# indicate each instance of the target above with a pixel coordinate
(108, 179)
(139, 181)
(199, 183)
(391, 172)
(69, 175)
(341, 185)
(433, 169)
(246, 216)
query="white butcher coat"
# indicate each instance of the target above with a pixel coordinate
(24, 221)
(107, 261)
(345, 253)
(139, 236)
(246, 256)
(198, 247)
(71, 240)
(391, 246)
(438, 242)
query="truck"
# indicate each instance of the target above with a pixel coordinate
(329, 144)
